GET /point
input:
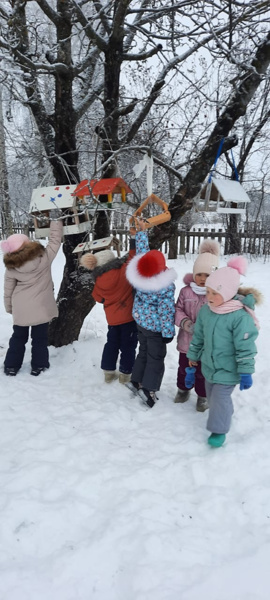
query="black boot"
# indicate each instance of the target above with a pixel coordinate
(12, 371)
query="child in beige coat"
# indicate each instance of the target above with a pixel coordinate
(29, 297)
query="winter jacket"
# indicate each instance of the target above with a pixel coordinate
(115, 292)
(187, 307)
(28, 287)
(225, 343)
(153, 306)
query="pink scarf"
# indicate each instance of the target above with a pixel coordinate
(232, 306)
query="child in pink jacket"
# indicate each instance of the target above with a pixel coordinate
(190, 300)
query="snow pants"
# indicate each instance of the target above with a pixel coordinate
(39, 351)
(220, 407)
(149, 364)
(120, 338)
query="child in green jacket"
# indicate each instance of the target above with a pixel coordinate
(224, 341)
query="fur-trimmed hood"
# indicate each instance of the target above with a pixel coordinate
(246, 291)
(15, 260)
(149, 284)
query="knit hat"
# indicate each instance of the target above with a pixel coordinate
(148, 272)
(208, 258)
(91, 261)
(14, 242)
(226, 281)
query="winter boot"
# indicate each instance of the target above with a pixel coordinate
(182, 396)
(36, 371)
(216, 439)
(133, 386)
(124, 377)
(11, 371)
(202, 404)
(148, 398)
(110, 376)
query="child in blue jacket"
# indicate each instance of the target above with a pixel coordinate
(153, 311)
(224, 341)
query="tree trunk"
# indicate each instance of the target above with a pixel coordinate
(74, 298)
(6, 218)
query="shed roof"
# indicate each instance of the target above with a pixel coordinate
(46, 198)
(101, 186)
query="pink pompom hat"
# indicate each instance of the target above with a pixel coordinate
(14, 242)
(226, 281)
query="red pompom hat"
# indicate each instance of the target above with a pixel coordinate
(151, 263)
(148, 272)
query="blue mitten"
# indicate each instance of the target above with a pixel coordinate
(190, 377)
(245, 381)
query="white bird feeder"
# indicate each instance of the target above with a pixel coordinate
(219, 195)
(97, 245)
(45, 199)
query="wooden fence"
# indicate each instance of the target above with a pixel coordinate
(252, 241)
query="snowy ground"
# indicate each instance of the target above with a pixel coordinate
(102, 499)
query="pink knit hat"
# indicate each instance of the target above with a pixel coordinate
(226, 280)
(208, 258)
(14, 242)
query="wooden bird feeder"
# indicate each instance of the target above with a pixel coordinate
(162, 217)
(224, 196)
(62, 197)
(97, 245)
(92, 189)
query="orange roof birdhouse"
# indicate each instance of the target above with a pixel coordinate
(105, 187)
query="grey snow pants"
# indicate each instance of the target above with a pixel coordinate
(220, 407)
(148, 368)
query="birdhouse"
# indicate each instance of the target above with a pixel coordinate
(97, 245)
(62, 197)
(224, 196)
(92, 189)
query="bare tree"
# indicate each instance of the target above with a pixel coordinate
(84, 63)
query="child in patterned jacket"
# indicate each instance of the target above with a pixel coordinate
(153, 311)
(190, 300)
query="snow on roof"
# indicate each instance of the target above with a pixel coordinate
(55, 196)
(230, 191)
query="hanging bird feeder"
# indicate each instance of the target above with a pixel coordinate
(97, 245)
(74, 210)
(92, 189)
(162, 217)
(223, 196)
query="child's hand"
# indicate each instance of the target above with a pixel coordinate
(141, 224)
(188, 326)
(192, 363)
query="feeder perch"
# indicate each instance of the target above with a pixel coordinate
(220, 195)
(93, 188)
(97, 245)
(164, 216)
(62, 197)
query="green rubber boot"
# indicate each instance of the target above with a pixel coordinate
(216, 439)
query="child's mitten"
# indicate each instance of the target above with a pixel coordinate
(245, 381)
(190, 377)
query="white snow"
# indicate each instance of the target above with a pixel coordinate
(102, 499)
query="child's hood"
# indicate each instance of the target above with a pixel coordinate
(26, 259)
(249, 296)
